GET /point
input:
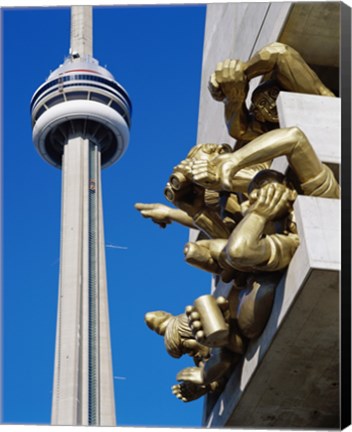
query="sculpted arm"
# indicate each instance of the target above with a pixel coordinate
(220, 174)
(229, 84)
(164, 215)
(289, 142)
(248, 247)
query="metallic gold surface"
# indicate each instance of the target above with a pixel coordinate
(178, 336)
(245, 211)
(196, 208)
(230, 83)
(164, 215)
(215, 330)
(255, 244)
(221, 172)
(212, 364)
(197, 381)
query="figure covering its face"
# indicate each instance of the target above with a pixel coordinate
(208, 151)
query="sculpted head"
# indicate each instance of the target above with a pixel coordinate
(264, 102)
(157, 321)
(265, 177)
(208, 151)
(178, 337)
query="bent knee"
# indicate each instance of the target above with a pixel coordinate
(278, 48)
(236, 254)
(296, 134)
(275, 51)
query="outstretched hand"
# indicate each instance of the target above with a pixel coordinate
(158, 213)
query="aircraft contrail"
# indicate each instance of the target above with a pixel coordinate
(112, 246)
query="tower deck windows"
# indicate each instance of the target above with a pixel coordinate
(80, 79)
(71, 94)
(80, 96)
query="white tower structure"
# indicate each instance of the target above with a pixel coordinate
(81, 119)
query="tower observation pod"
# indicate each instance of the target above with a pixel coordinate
(81, 98)
(81, 119)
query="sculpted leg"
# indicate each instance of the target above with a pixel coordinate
(289, 67)
(203, 253)
(256, 303)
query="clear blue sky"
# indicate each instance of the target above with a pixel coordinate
(155, 53)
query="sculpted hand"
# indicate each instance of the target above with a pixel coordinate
(158, 213)
(184, 167)
(272, 201)
(204, 173)
(231, 79)
(194, 319)
(216, 174)
(196, 350)
(215, 89)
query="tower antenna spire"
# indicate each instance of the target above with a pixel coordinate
(81, 31)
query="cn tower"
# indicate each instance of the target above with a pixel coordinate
(81, 120)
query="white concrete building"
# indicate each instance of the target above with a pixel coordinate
(289, 377)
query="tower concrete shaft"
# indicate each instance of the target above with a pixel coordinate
(83, 381)
(83, 392)
(81, 118)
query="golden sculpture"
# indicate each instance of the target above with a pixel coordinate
(264, 240)
(245, 211)
(246, 244)
(224, 172)
(178, 335)
(198, 207)
(249, 247)
(230, 83)
(214, 332)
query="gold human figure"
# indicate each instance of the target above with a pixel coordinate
(214, 359)
(251, 233)
(230, 83)
(210, 365)
(224, 172)
(192, 201)
(196, 208)
(264, 240)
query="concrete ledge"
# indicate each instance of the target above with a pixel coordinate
(319, 227)
(290, 375)
(319, 117)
